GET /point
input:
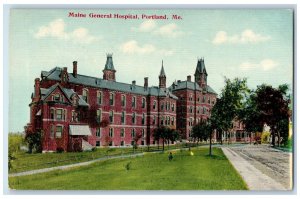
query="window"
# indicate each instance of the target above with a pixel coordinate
(143, 103)
(122, 143)
(203, 99)
(133, 102)
(111, 143)
(99, 97)
(111, 116)
(99, 115)
(162, 121)
(198, 109)
(133, 118)
(168, 118)
(98, 132)
(52, 131)
(166, 105)
(57, 97)
(73, 119)
(191, 97)
(143, 119)
(59, 114)
(208, 100)
(111, 99)
(162, 106)
(123, 118)
(143, 133)
(59, 131)
(111, 132)
(198, 99)
(97, 143)
(64, 115)
(154, 120)
(191, 122)
(172, 121)
(132, 133)
(203, 110)
(173, 107)
(191, 109)
(52, 114)
(123, 100)
(154, 105)
(122, 133)
(85, 95)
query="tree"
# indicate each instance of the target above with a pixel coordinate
(200, 131)
(229, 105)
(34, 140)
(172, 135)
(136, 138)
(273, 109)
(161, 133)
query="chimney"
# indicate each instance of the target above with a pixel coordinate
(189, 78)
(75, 68)
(146, 83)
(133, 82)
(37, 88)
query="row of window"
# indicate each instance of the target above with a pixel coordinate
(58, 114)
(208, 100)
(191, 121)
(167, 105)
(122, 143)
(122, 133)
(204, 110)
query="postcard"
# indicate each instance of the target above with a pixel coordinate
(151, 99)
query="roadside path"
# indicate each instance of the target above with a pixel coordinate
(72, 165)
(254, 178)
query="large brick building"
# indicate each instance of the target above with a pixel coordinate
(75, 110)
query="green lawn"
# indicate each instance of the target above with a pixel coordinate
(150, 172)
(27, 162)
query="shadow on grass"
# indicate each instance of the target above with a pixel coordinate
(216, 157)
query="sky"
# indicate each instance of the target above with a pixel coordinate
(252, 43)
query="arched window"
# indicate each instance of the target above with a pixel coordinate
(154, 105)
(123, 100)
(143, 119)
(99, 97)
(85, 95)
(133, 102)
(111, 116)
(111, 99)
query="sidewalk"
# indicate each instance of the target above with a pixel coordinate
(72, 165)
(254, 178)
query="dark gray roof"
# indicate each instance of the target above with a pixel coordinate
(45, 92)
(162, 71)
(109, 63)
(180, 85)
(54, 74)
(200, 67)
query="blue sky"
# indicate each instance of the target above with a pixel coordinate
(257, 44)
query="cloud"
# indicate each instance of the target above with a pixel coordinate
(247, 36)
(265, 65)
(168, 30)
(132, 47)
(56, 29)
(146, 26)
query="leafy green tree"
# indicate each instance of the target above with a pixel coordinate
(273, 109)
(172, 135)
(161, 133)
(200, 131)
(34, 140)
(229, 105)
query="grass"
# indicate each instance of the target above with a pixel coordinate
(27, 162)
(149, 172)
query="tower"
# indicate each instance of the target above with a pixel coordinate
(109, 70)
(201, 74)
(162, 76)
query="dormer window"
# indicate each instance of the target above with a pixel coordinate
(57, 97)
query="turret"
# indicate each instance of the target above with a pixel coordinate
(109, 70)
(162, 77)
(201, 74)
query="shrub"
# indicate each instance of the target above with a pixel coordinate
(265, 136)
(60, 150)
(94, 149)
(128, 166)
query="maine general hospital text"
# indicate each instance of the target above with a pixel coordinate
(122, 16)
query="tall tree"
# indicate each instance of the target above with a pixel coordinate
(161, 133)
(273, 108)
(229, 105)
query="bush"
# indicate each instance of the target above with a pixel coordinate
(60, 150)
(94, 149)
(128, 166)
(265, 136)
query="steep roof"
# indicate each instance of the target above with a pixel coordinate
(162, 70)
(45, 92)
(180, 85)
(112, 85)
(109, 63)
(200, 67)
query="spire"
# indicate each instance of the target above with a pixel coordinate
(200, 66)
(109, 62)
(162, 71)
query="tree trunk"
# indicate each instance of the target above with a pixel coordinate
(273, 138)
(278, 139)
(163, 144)
(210, 152)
